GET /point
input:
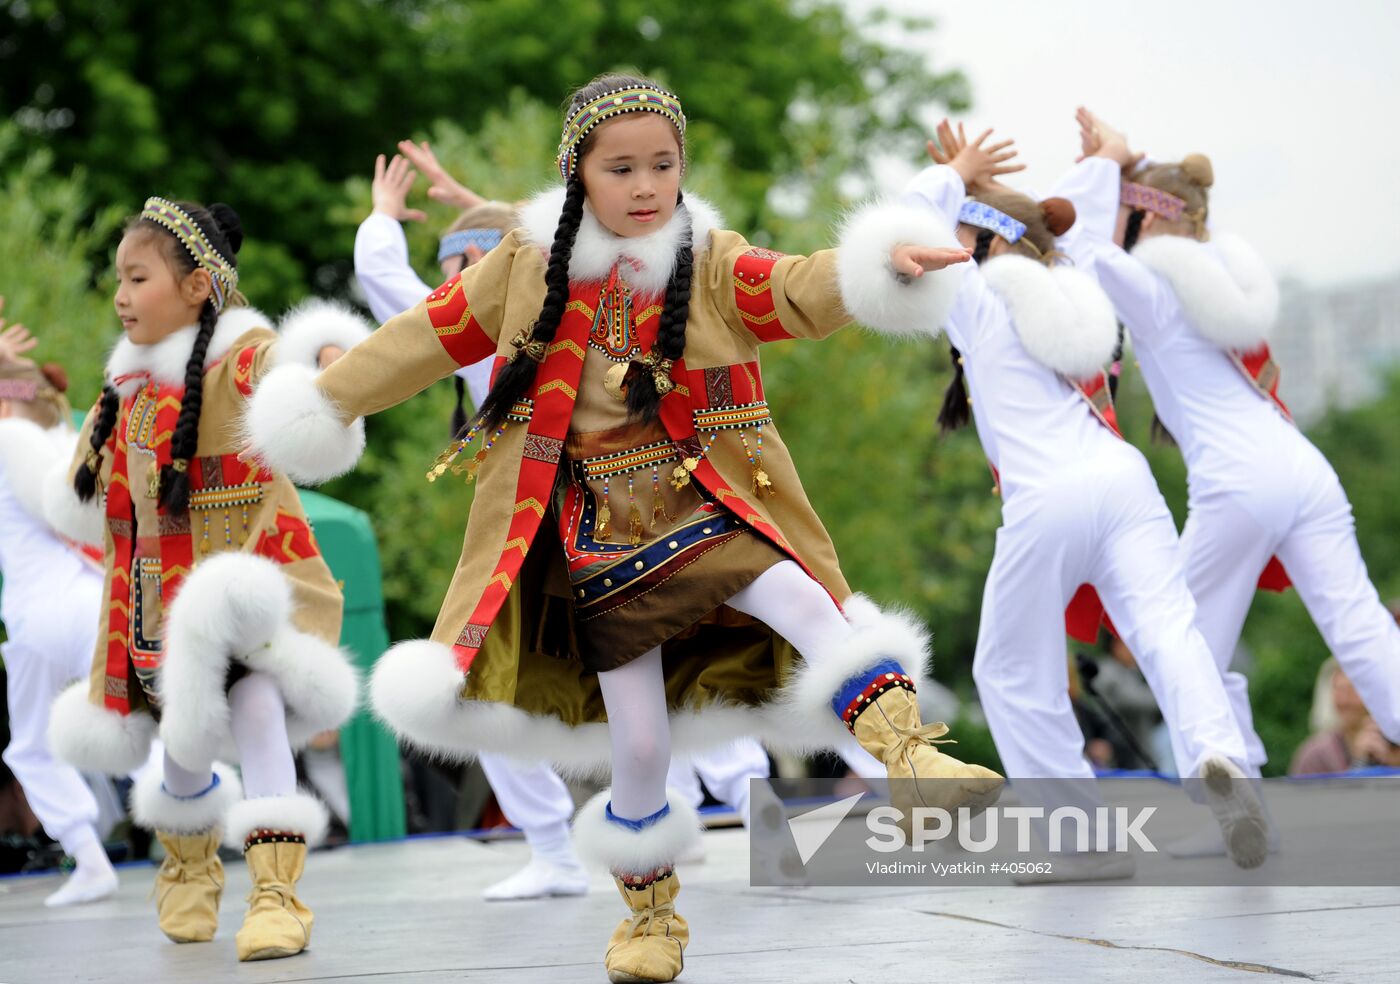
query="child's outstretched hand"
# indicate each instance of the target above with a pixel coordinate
(442, 187)
(15, 340)
(389, 189)
(912, 262)
(1098, 139)
(978, 164)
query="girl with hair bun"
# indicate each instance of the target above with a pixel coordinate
(1084, 524)
(1265, 509)
(642, 571)
(219, 618)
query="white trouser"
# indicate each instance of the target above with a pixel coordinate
(1108, 526)
(1297, 509)
(532, 796)
(725, 770)
(37, 669)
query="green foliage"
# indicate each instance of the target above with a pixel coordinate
(47, 230)
(272, 107)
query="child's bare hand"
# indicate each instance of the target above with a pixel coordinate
(442, 187)
(15, 340)
(913, 262)
(1098, 139)
(977, 163)
(389, 189)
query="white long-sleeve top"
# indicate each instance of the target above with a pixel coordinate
(44, 577)
(1033, 424)
(1227, 430)
(391, 286)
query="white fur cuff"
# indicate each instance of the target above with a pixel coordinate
(625, 851)
(414, 690)
(296, 429)
(301, 813)
(155, 809)
(1063, 318)
(96, 739)
(880, 635)
(869, 288)
(239, 607)
(314, 324)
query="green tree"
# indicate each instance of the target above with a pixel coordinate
(271, 107)
(48, 229)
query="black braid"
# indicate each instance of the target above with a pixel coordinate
(85, 481)
(459, 412)
(515, 376)
(643, 401)
(184, 442)
(1132, 229)
(1117, 361)
(954, 414)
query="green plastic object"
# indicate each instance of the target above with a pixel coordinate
(370, 754)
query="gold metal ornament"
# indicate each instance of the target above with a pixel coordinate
(615, 381)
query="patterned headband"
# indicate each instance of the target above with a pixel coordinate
(641, 98)
(983, 216)
(23, 390)
(456, 243)
(172, 217)
(1142, 196)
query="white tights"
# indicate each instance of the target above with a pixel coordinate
(786, 599)
(258, 720)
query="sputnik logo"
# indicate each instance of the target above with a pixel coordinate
(812, 829)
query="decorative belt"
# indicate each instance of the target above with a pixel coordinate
(622, 462)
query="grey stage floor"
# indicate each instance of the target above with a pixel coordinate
(410, 912)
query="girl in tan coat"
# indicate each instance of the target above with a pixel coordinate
(219, 620)
(642, 570)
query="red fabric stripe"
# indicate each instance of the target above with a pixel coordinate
(457, 329)
(753, 272)
(553, 410)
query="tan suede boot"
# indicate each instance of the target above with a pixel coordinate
(650, 946)
(885, 720)
(277, 924)
(189, 885)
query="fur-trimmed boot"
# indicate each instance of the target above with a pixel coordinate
(881, 708)
(649, 945)
(190, 881)
(274, 832)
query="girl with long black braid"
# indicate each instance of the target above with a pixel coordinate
(641, 563)
(220, 620)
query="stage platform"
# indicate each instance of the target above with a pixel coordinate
(411, 912)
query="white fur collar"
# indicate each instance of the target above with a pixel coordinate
(1224, 286)
(131, 365)
(1063, 318)
(646, 261)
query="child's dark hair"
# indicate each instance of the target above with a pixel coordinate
(224, 230)
(517, 375)
(954, 413)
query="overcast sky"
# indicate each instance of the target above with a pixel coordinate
(1297, 105)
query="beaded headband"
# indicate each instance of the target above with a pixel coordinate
(1167, 205)
(456, 243)
(983, 216)
(173, 218)
(632, 99)
(23, 390)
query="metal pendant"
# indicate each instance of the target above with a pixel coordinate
(615, 381)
